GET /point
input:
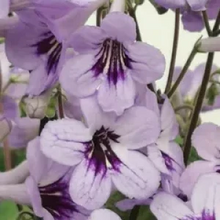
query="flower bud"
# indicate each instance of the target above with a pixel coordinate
(5, 127)
(210, 44)
(36, 106)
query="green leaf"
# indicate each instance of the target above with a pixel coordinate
(145, 214)
(8, 211)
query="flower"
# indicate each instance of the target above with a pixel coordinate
(204, 202)
(42, 49)
(101, 214)
(206, 141)
(165, 153)
(110, 62)
(101, 149)
(195, 5)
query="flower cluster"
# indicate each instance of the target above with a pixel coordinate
(82, 103)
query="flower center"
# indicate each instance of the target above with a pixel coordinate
(56, 200)
(112, 60)
(50, 47)
(100, 153)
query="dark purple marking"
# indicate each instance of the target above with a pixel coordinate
(56, 200)
(208, 215)
(168, 161)
(101, 150)
(49, 46)
(112, 56)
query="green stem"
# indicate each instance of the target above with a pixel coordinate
(189, 107)
(60, 102)
(183, 72)
(174, 50)
(198, 106)
(206, 22)
(134, 213)
(217, 23)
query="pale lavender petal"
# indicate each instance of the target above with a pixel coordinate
(192, 21)
(114, 25)
(206, 140)
(94, 116)
(77, 77)
(65, 139)
(33, 192)
(87, 38)
(206, 196)
(173, 4)
(10, 107)
(4, 8)
(128, 204)
(120, 96)
(197, 5)
(169, 125)
(168, 207)
(23, 131)
(147, 62)
(5, 127)
(101, 214)
(137, 178)
(213, 8)
(137, 127)
(192, 173)
(89, 188)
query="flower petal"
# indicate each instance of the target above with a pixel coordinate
(137, 127)
(206, 140)
(87, 38)
(65, 139)
(168, 207)
(137, 178)
(192, 173)
(192, 21)
(173, 4)
(148, 63)
(94, 116)
(197, 5)
(88, 189)
(120, 96)
(206, 195)
(77, 78)
(4, 8)
(114, 25)
(10, 107)
(106, 214)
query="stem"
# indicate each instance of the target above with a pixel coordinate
(174, 51)
(189, 107)
(60, 103)
(183, 72)
(98, 16)
(134, 213)
(7, 154)
(206, 22)
(217, 23)
(133, 15)
(216, 33)
(198, 106)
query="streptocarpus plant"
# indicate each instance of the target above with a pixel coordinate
(85, 133)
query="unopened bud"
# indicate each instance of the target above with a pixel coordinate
(5, 127)
(36, 106)
(210, 44)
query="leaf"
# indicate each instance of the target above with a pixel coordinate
(145, 214)
(8, 211)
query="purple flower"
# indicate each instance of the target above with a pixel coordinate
(42, 49)
(102, 150)
(101, 214)
(204, 202)
(195, 5)
(110, 62)
(190, 85)
(193, 20)
(48, 187)
(206, 140)
(166, 155)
